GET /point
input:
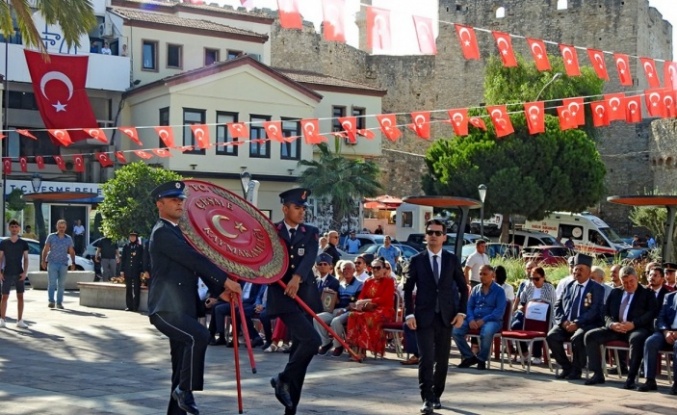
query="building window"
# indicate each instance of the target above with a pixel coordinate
(224, 141)
(360, 113)
(149, 55)
(19, 146)
(258, 149)
(337, 112)
(291, 150)
(211, 56)
(500, 12)
(191, 117)
(174, 56)
(233, 54)
(21, 100)
(164, 120)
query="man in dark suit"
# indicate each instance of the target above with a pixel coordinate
(332, 240)
(578, 310)
(657, 286)
(173, 297)
(665, 338)
(325, 280)
(441, 301)
(302, 247)
(628, 315)
(222, 310)
(131, 267)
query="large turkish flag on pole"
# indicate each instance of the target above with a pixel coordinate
(59, 87)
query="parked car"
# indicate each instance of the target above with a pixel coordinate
(626, 256)
(546, 255)
(494, 250)
(525, 238)
(81, 264)
(491, 229)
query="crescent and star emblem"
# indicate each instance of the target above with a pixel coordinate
(620, 64)
(502, 40)
(539, 53)
(459, 116)
(465, 30)
(614, 106)
(649, 69)
(573, 107)
(534, 114)
(632, 106)
(309, 128)
(600, 110)
(216, 221)
(598, 58)
(61, 77)
(651, 96)
(419, 120)
(570, 59)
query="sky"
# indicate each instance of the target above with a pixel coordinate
(668, 9)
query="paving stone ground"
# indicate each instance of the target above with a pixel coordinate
(84, 360)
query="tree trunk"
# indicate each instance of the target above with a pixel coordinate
(505, 229)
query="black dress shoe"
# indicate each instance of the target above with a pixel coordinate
(673, 389)
(185, 401)
(564, 373)
(282, 392)
(324, 349)
(257, 342)
(266, 345)
(649, 385)
(574, 375)
(230, 344)
(595, 380)
(436, 403)
(427, 408)
(630, 385)
(467, 362)
(220, 341)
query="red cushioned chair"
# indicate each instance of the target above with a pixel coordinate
(395, 328)
(533, 331)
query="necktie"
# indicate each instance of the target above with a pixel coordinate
(319, 285)
(292, 232)
(436, 269)
(577, 302)
(624, 306)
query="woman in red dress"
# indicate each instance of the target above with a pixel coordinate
(374, 306)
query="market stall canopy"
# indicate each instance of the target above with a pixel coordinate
(384, 202)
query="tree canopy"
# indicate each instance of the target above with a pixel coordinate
(127, 205)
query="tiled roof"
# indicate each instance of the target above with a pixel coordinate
(314, 78)
(171, 20)
(175, 5)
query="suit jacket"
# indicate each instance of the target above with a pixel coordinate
(302, 251)
(667, 313)
(641, 312)
(331, 250)
(253, 294)
(175, 266)
(659, 298)
(131, 260)
(331, 282)
(450, 293)
(592, 311)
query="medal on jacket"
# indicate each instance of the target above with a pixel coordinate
(300, 251)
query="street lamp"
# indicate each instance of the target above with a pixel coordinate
(245, 178)
(250, 188)
(557, 75)
(482, 189)
(36, 182)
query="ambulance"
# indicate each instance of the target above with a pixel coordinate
(589, 233)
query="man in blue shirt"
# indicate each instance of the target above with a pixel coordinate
(352, 244)
(486, 307)
(388, 251)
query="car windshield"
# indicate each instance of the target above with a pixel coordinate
(549, 240)
(611, 235)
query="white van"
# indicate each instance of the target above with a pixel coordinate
(588, 232)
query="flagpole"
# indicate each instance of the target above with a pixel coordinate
(5, 144)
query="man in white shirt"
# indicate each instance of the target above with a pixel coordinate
(361, 273)
(475, 261)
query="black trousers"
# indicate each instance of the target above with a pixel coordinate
(305, 343)
(434, 343)
(556, 339)
(595, 338)
(188, 340)
(133, 290)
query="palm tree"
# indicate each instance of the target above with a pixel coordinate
(74, 16)
(340, 179)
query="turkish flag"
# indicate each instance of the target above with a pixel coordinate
(333, 13)
(27, 133)
(379, 38)
(425, 35)
(62, 137)
(535, 115)
(97, 134)
(104, 160)
(311, 131)
(633, 109)
(274, 130)
(142, 154)
(131, 133)
(468, 40)
(79, 163)
(388, 123)
(615, 107)
(670, 103)
(566, 121)
(421, 124)
(501, 120)
(650, 72)
(60, 163)
(120, 156)
(600, 113)
(2, 136)
(60, 93)
(670, 74)
(349, 125)
(478, 122)
(183, 149)
(7, 165)
(366, 133)
(598, 63)
(23, 162)
(576, 109)
(238, 130)
(539, 53)
(623, 66)
(653, 98)
(161, 152)
(40, 162)
(458, 118)
(504, 45)
(570, 57)
(290, 17)
(166, 134)
(201, 134)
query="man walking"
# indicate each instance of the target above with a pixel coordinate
(14, 255)
(58, 247)
(132, 267)
(441, 300)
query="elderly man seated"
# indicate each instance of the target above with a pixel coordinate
(348, 292)
(597, 275)
(486, 307)
(628, 316)
(665, 338)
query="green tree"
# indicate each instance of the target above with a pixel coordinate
(340, 179)
(75, 17)
(525, 174)
(654, 218)
(127, 205)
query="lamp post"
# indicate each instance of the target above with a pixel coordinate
(36, 183)
(557, 75)
(245, 178)
(250, 188)
(482, 189)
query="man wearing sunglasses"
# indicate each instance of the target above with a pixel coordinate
(441, 299)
